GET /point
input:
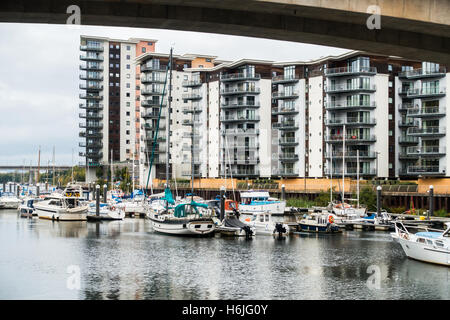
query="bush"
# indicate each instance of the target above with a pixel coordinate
(396, 210)
(368, 197)
(299, 202)
(441, 213)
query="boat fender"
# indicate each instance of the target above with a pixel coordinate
(330, 219)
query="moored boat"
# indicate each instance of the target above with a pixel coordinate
(319, 222)
(27, 209)
(9, 201)
(260, 201)
(107, 211)
(264, 224)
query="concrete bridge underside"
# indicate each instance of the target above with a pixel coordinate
(414, 29)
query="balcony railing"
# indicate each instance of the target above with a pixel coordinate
(148, 78)
(239, 131)
(285, 79)
(90, 115)
(241, 146)
(337, 138)
(88, 57)
(288, 141)
(94, 144)
(90, 134)
(239, 77)
(92, 106)
(188, 173)
(192, 96)
(192, 109)
(91, 67)
(92, 155)
(426, 92)
(350, 122)
(430, 131)
(240, 91)
(244, 172)
(342, 105)
(155, 68)
(95, 125)
(239, 118)
(408, 123)
(345, 71)
(285, 95)
(240, 105)
(286, 125)
(189, 122)
(286, 172)
(346, 88)
(84, 86)
(351, 154)
(89, 76)
(91, 96)
(151, 115)
(192, 83)
(405, 106)
(426, 151)
(152, 91)
(152, 103)
(288, 157)
(423, 73)
(408, 140)
(425, 170)
(284, 110)
(90, 47)
(353, 172)
(433, 111)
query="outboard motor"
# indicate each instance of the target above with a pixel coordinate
(248, 232)
(280, 229)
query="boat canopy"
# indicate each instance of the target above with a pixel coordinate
(255, 194)
(432, 235)
(180, 210)
(168, 196)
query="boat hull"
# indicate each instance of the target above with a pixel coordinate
(57, 215)
(318, 228)
(425, 253)
(277, 207)
(184, 227)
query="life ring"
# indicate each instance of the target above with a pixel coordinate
(330, 219)
(113, 208)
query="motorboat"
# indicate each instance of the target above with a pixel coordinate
(431, 245)
(9, 201)
(67, 206)
(230, 225)
(346, 210)
(26, 208)
(260, 201)
(264, 224)
(319, 222)
(107, 211)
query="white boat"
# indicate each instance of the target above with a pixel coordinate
(9, 201)
(428, 246)
(63, 207)
(347, 211)
(107, 211)
(319, 222)
(27, 209)
(184, 219)
(260, 201)
(230, 225)
(264, 225)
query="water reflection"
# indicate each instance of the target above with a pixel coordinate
(127, 260)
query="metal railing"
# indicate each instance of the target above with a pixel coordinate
(349, 70)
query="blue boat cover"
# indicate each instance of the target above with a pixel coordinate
(432, 235)
(180, 210)
(168, 196)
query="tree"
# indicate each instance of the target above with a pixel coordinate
(368, 197)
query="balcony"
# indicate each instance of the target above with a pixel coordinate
(192, 83)
(284, 172)
(91, 76)
(90, 115)
(152, 103)
(89, 57)
(93, 125)
(244, 172)
(93, 144)
(285, 95)
(286, 125)
(240, 105)
(407, 156)
(192, 96)
(189, 174)
(350, 71)
(91, 154)
(239, 77)
(192, 109)
(152, 91)
(352, 172)
(153, 127)
(91, 106)
(344, 88)
(351, 138)
(350, 122)
(427, 112)
(427, 132)
(151, 115)
(408, 140)
(248, 160)
(288, 157)
(233, 132)
(422, 73)
(284, 111)
(91, 67)
(84, 86)
(189, 122)
(405, 106)
(151, 78)
(238, 118)
(351, 155)
(408, 123)
(188, 148)
(425, 170)
(285, 79)
(288, 141)
(153, 68)
(90, 47)
(91, 96)
(432, 151)
(241, 146)
(91, 134)
(344, 105)
(426, 93)
(240, 91)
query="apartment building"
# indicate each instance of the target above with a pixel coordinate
(109, 108)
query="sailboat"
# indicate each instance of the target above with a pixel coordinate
(167, 217)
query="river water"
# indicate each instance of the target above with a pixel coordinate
(40, 259)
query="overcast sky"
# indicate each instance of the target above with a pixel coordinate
(39, 79)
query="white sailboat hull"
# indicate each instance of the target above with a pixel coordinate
(61, 214)
(183, 226)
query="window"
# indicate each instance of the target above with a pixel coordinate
(143, 50)
(117, 65)
(111, 46)
(117, 46)
(128, 113)
(128, 123)
(390, 84)
(111, 65)
(390, 100)
(128, 48)
(117, 75)
(128, 94)
(128, 85)
(128, 66)
(208, 60)
(390, 116)
(128, 76)
(150, 43)
(389, 67)
(117, 56)
(127, 141)
(128, 57)
(111, 55)
(117, 84)
(128, 104)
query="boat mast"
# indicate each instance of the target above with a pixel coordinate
(343, 165)
(111, 169)
(331, 175)
(357, 177)
(132, 171)
(168, 118)
(192, 154)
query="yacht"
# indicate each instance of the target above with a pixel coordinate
(431, 245)
(260, 201)
(27, 209)
(9, 201)
(67, 206)
(107, 211)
